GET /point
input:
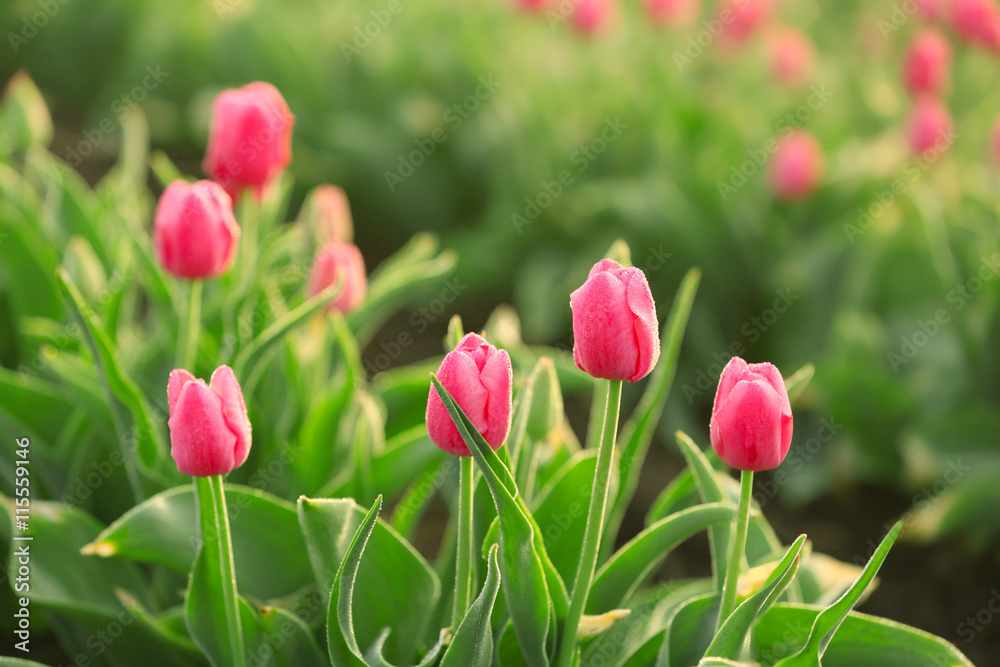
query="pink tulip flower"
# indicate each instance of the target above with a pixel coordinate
(929, 126)
(797, 165)
(589, 16)
(480, 379)
(791, 54)
(928, 59)
(209, 428)
(194, 231)
(741, 18)
(977, 22)
(751, 427)
(615, 333)
(346, 258)
(327, 214)
(251, 138)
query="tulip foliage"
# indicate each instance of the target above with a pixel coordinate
(303, 554)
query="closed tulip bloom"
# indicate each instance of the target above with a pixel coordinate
(673, 12)
(327, 214)
(250, 141)
(194, 231)
(209, 428)
(589, 16)
(346, 258)
(751, 425)
(791, 55)
(928, 59)
(797, 165)
(929, 126)
(977, 22)
(615, 333)
(480, 379)
(741, 18)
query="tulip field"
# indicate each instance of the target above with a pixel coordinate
(527, 333)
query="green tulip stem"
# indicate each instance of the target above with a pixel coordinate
(739, 542)
(187, 338)
(215, 535)
(463, 556)
(249, 224)
(595, 525)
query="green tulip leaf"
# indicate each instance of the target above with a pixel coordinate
(472, 644)
(710, 492)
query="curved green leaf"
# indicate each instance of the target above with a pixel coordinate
(710, 492)
(631, 565)
(472, 644)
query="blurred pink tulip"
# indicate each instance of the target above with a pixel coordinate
(194, 231)
(797, 165)
(250, 141)
(751, 426)
(931, 10)
(590, 16)
(673, 12)
(346, 258)
(741, 18)
(977, 22)
(791, 54)
(327, 214)
(210, 431)
(530, 5)
(929, 126)
(927, 62)
(480, 379)
(615, 332)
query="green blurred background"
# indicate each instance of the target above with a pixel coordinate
(371, 88)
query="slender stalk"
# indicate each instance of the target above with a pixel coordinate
(595, 524)
(463, 557)
(215, 530)
(187, 339)
(249, 223)
(739, 542)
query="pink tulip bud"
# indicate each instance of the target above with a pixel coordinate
(251, 138)
(194, 230)
(589, 16)
(977, 22)
(792, 56)
(931, 10)
(751, 425)
(673, 12)
(615, 334)
(929, 125)
(327, 214)
(925, 69)
(209, 428)
(797, 165)
(480, 379)
(346, 258)
(741, 18)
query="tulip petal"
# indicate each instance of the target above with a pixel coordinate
(730, 376)
(178, 378)
(603, 328)
(460, 376)
(647, 333)
(498, 378)
(201, 442)
(234, 411)
(747, 429)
